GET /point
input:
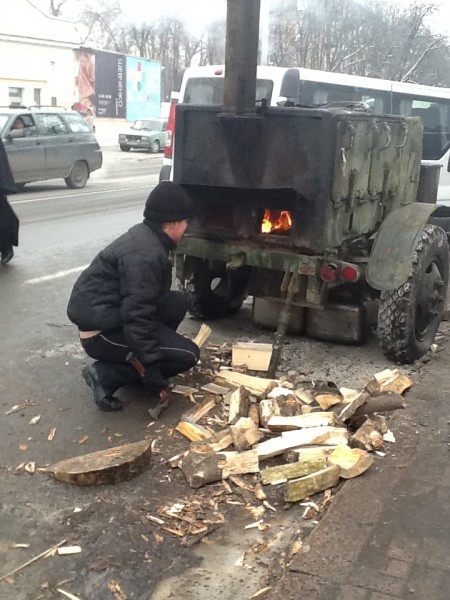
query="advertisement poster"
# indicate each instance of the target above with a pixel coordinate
(110, 84)
(143, 89)
(116, 86)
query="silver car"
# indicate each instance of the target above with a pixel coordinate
(49, 144)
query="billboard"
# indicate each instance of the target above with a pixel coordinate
(117, 86)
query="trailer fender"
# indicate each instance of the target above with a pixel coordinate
(392, 253)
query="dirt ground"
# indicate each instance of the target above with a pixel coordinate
(152, 537)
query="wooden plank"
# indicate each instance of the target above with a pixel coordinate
(257, 386)
(330, 436)
(106, 466)
(291, 471)
(213, 388)
(319, 419)
(351, 461)
(255, 356)
(299, 489)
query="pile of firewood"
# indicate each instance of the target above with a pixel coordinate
(321, 433)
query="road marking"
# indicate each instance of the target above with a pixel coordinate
(137, 187)
(57, 275)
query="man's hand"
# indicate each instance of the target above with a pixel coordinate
(153, 378)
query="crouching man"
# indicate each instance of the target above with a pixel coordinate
(125, 312)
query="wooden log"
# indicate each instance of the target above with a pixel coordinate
(239, 404)
(203, 334)
(245, 433)
(382, 403)
(370, 435)
(193, 431)
(305, 453)
(389, 380)
(255, 356)
(327, 400)
(301, 421)
(239, 463)
(253, 413)
(257, 386)
(106, 466)
(267, 409)
(217, 442)
(201, 468)
(291, 471)
(351, 461)
(330, 436)
(298, 489)
(351, 407)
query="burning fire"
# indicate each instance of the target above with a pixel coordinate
(276, 220)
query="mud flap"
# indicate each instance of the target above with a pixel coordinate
(390, 261)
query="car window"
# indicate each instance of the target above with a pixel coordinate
(28, 125)
(51, 124)
(76, 123)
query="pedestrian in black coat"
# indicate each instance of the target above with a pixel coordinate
(126, 314)
(9, 223)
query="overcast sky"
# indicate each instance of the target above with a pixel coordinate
(197, 14)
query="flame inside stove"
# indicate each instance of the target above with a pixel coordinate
(276, 220)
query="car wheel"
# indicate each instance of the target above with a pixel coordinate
(78, 176)
(409, 316)
(124, 148)
(155, 147)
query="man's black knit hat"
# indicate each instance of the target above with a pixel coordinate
(166, 203)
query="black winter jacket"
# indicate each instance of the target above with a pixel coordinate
(123, 288)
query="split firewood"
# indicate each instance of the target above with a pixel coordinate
(370, 435)
(217, 442)
(254, 356)
(276, 392)
(253, 413)
(389, 380)
(348, 394)
(195, 414)
(200, 467)
(240, 463)
(301, 421)
(106, 466)
(298, 489)
(239, 404)
(257, 386)
(289, 406)
(245, 433)
(193, 431)
(327, 400)
(183, 390)
(349, 409)
(203, 334)
(268, 408)
(304, 453)
(213, 388)
(304, 396)
(294, 470)
(326, 436)
(351, 461)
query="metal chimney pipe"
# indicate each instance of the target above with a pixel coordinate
(241, 55)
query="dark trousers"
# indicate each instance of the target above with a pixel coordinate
(111, 352)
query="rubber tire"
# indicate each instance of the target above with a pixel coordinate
(78, 175)
(226, 297)
(125, 148)
(398, 315)
(155, 147)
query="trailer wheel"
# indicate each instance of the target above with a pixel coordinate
(215, 292)
(409, 316)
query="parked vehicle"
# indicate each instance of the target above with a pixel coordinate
(144, 134)
(50, 144)
(313, 211)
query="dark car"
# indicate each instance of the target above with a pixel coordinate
(49, 144)
(146, 134)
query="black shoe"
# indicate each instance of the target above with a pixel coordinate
(7, 256)
(104, 400)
